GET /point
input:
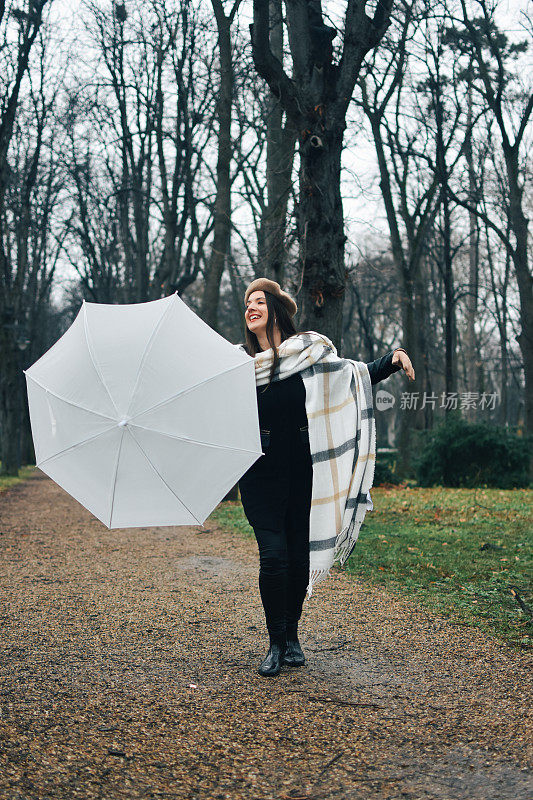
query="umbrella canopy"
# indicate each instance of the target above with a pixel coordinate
(144, 414)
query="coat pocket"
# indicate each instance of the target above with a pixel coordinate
(304, 434)
(265, 438)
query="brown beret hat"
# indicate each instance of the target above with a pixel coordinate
(266, 285)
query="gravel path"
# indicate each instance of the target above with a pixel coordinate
(128, 670)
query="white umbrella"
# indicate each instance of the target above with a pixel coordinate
(144, 414)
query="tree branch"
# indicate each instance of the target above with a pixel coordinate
(485, 218)
(523, 123)
(268, 66)
(361, 34)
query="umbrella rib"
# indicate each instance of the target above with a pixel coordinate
(114, 482)
(193, 441)
(147, 349)
(171, 490)
(76, 444)
(188, 389)
(64, 399)
(91, 355)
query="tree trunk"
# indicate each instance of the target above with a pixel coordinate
(446, 265)
(222, 227)
(321, 230)
(408, 265)
(411, 416)
(27, 449)
(472, 355)
(504, 339)
(498, 93)
(504, 355)
(519, 225)
(11, 403)
(15, 63)
(317, 98)
(141, 214)
(281, 140)
(449, 322)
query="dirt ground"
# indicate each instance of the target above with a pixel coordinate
(128, 670)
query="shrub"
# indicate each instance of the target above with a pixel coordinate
(459, 453)
(385, 468)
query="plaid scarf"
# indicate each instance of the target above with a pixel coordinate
(342, 438)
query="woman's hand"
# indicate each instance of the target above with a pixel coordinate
(402, 357)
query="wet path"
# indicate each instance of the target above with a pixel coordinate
(128, 665)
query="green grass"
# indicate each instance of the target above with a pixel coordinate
(457, 551)
(7, 481)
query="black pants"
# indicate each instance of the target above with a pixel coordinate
(283, 574)
(276, 497)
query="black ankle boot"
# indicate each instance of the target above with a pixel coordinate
(274, 659)
(294, 656)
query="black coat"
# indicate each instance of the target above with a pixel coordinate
(283, 473)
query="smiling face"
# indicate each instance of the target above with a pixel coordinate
(256, 313)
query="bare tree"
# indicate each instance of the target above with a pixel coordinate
(140, 133)
(409, 94)
(281, 141)
(316, 99)
(184, 126)
(127, 104)
(470, 343)
(28, 191)
(92, 228)
(222, 221)
(371, 319)
(494, 57)
(410, 189)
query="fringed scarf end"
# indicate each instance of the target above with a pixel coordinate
(315, 576)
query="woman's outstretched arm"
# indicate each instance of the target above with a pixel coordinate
(393, 361)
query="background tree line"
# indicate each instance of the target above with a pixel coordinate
(192, 145)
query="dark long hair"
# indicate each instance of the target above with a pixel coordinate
(278, 311)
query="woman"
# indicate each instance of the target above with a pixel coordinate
(276, 491)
